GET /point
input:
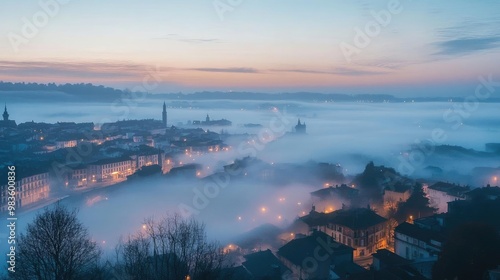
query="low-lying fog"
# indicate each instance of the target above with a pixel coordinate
(350, 134)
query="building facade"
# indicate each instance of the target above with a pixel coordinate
(414, 242)
(29, 190)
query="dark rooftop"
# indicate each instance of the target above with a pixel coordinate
(387, 257)
(298, 249)
(450, 189)
(263, 264)
(419, 233)
(341, 191)
(356, 218)
(110, 160)
(486, 192)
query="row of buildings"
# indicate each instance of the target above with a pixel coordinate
(333, 245)
(68, 155)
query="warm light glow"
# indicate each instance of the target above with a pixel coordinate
(263, 210)
(329, 210)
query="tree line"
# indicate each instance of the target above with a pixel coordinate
(57, 246)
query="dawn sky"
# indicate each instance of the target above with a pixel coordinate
(425, 48)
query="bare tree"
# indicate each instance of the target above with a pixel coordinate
(56, 246)
(171, 248)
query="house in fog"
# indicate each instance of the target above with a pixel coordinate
(441, 193)
(414, 241)
(359, 228)
(314, 256)
(300, 128)
(111, 169)
(210, 122)
(265, 265)
(331, 198)
(395, 195)
(32, 185)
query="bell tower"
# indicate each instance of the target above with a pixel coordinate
(5, 114)
(164, 114)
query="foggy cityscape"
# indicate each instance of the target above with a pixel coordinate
(249, 140)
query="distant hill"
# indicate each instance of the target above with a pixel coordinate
(52, 92)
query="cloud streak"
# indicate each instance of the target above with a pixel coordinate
(462, 46)
(341, 71)
(72, 69)
(226, 70)
(189, 40)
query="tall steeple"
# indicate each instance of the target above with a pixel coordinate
(164, 114)
(5, 113)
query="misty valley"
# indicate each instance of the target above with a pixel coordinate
(258, 176)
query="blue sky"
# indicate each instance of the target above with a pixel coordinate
(427, 48)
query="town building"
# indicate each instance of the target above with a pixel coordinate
(300, 128)
(359, 228)
(441, 193)
(111, 169)
(265, 265)
(6, 123)
(210, 122)
(414, 241)
(395, 195)
(313, 256)
(331, 198)
(31, 186)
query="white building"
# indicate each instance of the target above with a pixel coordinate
(441, 193)
(112, 169)
(28, 190)
(414, 242)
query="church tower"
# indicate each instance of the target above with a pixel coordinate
(300, 127)
(164, 114)
(5, 114)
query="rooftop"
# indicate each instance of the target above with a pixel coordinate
(298, 249)
(356, 218)
(263, 263)
(486, 192)
(387, 257)
(419, 233)
(342, 190)
(450, 189)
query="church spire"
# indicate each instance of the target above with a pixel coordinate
(164, 115)
(5, 113)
